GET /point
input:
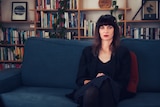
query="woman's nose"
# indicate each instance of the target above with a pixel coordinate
(106, 29)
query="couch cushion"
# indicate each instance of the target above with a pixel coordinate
(37, 97)
(142, 100)
(9, 79)
(147, 52)
(51, 62)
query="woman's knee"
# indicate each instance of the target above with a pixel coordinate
(105, 85)
(92, 92)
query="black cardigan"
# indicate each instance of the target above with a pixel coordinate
(121, 66)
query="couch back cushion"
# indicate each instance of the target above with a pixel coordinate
(148, 57)
(51, 62)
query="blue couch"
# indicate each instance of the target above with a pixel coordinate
(49, 71)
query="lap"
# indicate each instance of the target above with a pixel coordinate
(97, 82)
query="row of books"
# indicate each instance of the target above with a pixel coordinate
(9, 65)
(47, 19)
(11, 53)
(46, 34)
(54, 4)
(43, 33)
(89, 27)
(70, 35)
(144, 33)
(82, 18)
(71, 19)
(14, 36)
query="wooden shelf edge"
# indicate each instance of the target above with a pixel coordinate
(11, 45)
(103, 9)
(19, 22)
(55, 10)
(138, 21)
(83, 37)
(40, 28)
(143, 21)
(84, 9)
(6, 61)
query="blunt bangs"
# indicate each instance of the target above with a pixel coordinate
(106, 20)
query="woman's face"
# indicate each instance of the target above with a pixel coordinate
(106, 32)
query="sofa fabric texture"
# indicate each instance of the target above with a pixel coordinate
(56, 60)
(49, 71)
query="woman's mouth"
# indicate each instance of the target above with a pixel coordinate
(106, 35)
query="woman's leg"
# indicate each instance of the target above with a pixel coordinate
(106, 95)
(91, 97)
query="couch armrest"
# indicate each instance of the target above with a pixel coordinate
(9, 79)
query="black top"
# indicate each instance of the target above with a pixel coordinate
(118, 68)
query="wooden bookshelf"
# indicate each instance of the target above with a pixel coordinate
(80, 8)
(12, 36)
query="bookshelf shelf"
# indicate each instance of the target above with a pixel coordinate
(6, 61)
(17, 22)
(39, 28)
(47, 10)
(142, 21)
(11, 45)
(104, 9)
(83, 37)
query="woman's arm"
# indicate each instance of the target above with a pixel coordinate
(83, 74)
(123, 71)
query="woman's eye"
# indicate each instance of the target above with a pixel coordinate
(110, 27)
(101, 27)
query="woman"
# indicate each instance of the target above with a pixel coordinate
(104, 68)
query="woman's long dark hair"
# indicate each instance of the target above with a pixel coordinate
(106, 20)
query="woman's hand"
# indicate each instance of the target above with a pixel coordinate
(86, 81)
(100, 74)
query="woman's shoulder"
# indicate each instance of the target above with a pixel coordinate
(87, 48)
(87, 51)
(122, 50)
